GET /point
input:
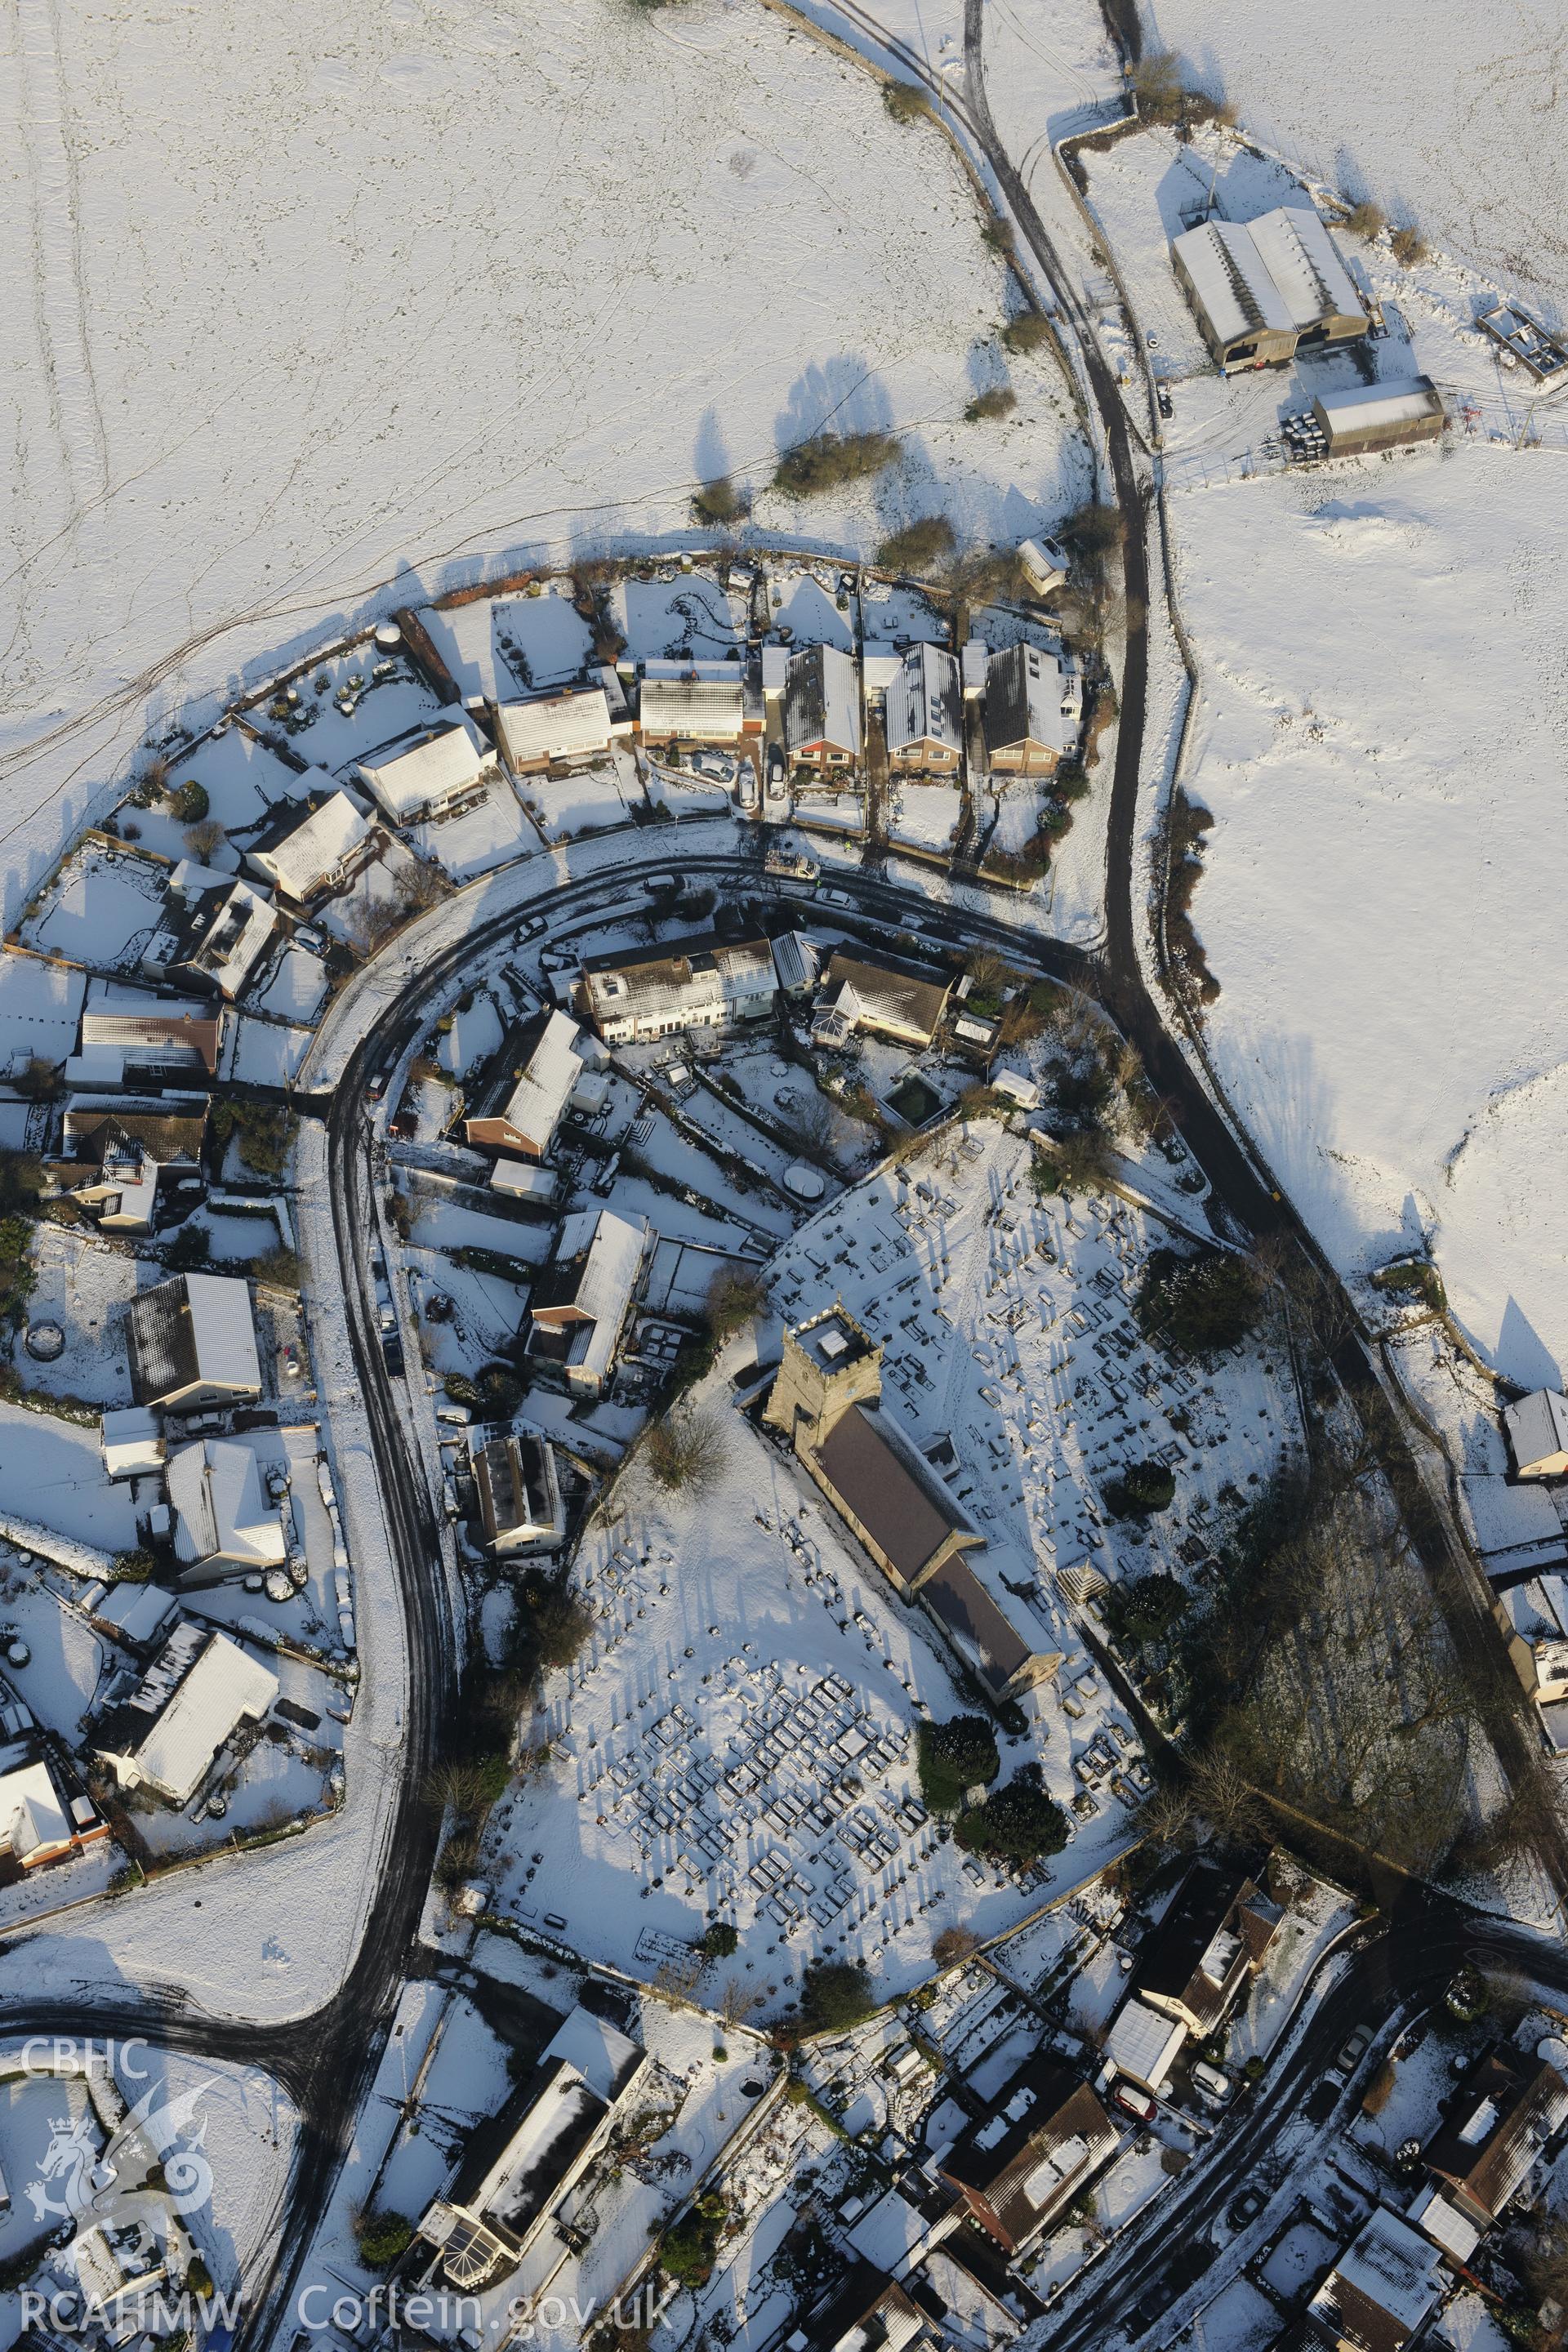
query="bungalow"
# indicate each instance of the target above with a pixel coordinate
(224, 1525)
(213, 933)
(682, 702)
(1026, 726)
(1045, 2137)
(162, 1730)
(924, 714)
(1536, 1429)
(314, 855)
(521, 1107)
(191, 1343)
(494, 2212)
(1263, 289)
(901, 1001)
(430, 778)
(822, 710)
(132, 1033)
(1508, 2107)
(578, 1306)
(1213, 1934)
(558, 730)
(1379, 2292)
(38, 1824)
(706, 982)
(521, 1508)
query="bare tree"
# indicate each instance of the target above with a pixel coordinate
(737, 2001)
(953, 1945)
(202, 839)
(689, 1450)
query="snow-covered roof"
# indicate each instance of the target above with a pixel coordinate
(137, 1612)
(429, 773)
(225, 1334)
(1278, 273)
(222, 1688)
(313, 855)
(1444, 2223)
(521, 1176)
(1024, 695)
(687, 705)
(133, 1024)
(595, 2051)
(219, 1507)
(544, 1087)
(589, 1282)
(133, 1442)
(822, 702)
(1513, 1523)
(1389, 2270)
(1537, 1430)
(924, 701)
(32, 1818)
(1369, 405)
(558, 727)
(1143, 2043)
(775, 668)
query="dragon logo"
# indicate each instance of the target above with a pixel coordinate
(77, 2185)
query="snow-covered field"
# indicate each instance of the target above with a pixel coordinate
(1381, 740)
(384, 314)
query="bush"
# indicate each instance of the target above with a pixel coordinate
(952, 1757)
(190, 803)
(917, 546)
(279, 1266)
(1143, 1488)
(904, 102)
(718, 1941)
(191, 1247)
(1413, 1278)
(460, 1389)
(1366, 219)
(736, 1296)
(1409, 246)
(383, 2237)
(131, 1568)
(41, 1081)
(1094, 530)
(1021, 1822)
(1145, 1609)
(999, 235)
(835, 1993)
(553, 1622)
(1027, 332)
(688, 2251)
(1201, 1303)
(1157, 85)
(828, 460)
(719, 503)
(996, 400)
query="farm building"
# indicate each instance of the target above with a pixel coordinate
(1261, 291)
(925, 713)
(1379, 417)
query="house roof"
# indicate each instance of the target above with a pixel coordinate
(215, 1490)
(538, 1070)
(883, 1482)
(556, 726)
(925, 701)
(217, 926)
(303, 859)
(135, 1023)
(887, 994)
(512, 1474)
(692, 706)
(1505, 2110)
(866, 2311)
(1045, 2133)
(822, 701)
(221, 1688)
(593, 1271)
(1217, 1916)
(32, 1818)
(1024, 700)
(1364, 406)
(1537, 1427)
(448, 760)
(1382, 2287)
(92, 1128)
(193, 1328)
(1142, 2042)
(661, 980)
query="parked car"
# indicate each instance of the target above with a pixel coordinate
(1355, 2048)
(1134, 2101)
(1246, 2207)
(1167, 406)
(1213, 2087)
(529, 930)
(835, 897)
